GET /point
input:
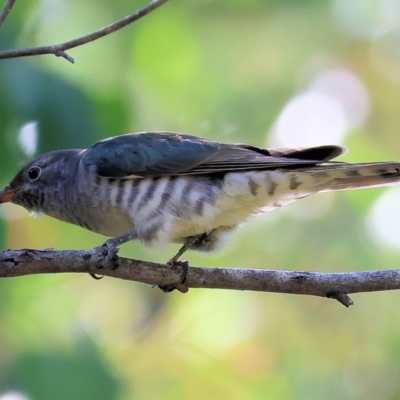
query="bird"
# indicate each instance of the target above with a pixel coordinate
(161, 187)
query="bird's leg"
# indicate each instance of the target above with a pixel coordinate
(111, 245)
(189, 242)
(174, 262)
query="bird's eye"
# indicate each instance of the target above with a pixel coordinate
(34, 173)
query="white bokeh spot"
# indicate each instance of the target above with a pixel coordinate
(310, 119)
(334, 102)
(28, 138)
(13, 395)
(342, 85)
(383, 220)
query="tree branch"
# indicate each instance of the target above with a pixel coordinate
(6, 10)
(15, 263)
(59, 50)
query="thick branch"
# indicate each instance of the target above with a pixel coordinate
(60, 49)
(6, 10)
(332, 285)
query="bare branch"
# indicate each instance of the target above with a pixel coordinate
(331, 285)
(59, 50)
(6, 10)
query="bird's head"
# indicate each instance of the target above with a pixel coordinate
(40, 179)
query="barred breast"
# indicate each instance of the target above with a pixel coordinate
(169, 209)
(159, 209)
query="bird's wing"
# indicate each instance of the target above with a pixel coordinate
(152, 154)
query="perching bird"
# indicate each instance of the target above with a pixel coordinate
(168, 187)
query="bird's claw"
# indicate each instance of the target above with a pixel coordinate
(96, 277)
(110, 250)
(181, 286)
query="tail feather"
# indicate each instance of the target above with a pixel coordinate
(359, 176)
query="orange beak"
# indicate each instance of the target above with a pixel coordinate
(7, 195)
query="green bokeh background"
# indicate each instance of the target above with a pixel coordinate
(222, 70)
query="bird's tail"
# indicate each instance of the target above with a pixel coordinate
(358, 176)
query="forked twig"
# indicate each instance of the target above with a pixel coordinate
(59, 50)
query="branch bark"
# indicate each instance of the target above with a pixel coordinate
(59, 50)
(337, 286)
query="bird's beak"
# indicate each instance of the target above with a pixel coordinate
(7, 195)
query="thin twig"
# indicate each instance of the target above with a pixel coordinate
(330, 285)
(6, 10)
(59, 49)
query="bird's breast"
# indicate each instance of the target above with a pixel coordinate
(158, 208)
(168, 209)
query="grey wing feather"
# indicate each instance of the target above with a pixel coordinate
(147, 154)
(155, 154)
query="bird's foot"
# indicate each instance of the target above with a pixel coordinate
(182, 285)
(110, 251)
(110, 247)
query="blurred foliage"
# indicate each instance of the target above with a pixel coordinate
(222, 70)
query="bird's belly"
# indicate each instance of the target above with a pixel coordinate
(172, 208)
(244, 194)
(220, 215)
(107, 221)
(113, 223)
(98, 211)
